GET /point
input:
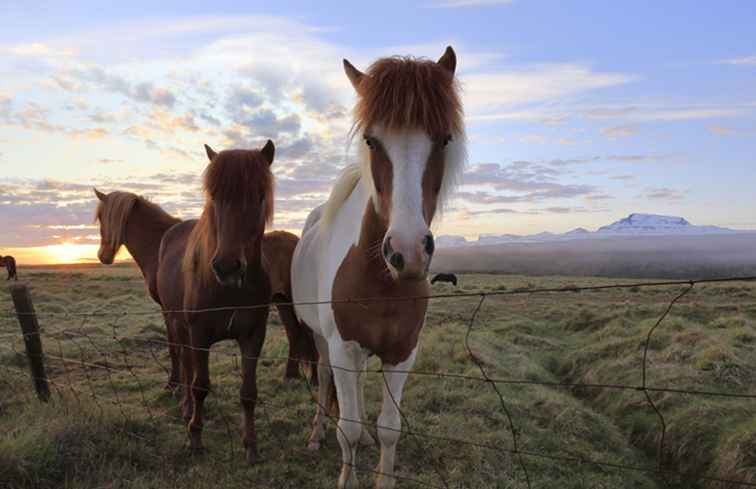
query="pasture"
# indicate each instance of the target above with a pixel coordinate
(111, 424)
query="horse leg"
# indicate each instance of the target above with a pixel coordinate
(200, 352)
(186, 370)
(347, 359)
(390, 419)
(251, 346)
(293, 332)
(325, 381)
(174, 352)
(366, 439)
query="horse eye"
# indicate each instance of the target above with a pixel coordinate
(369, 142)
(447, 140)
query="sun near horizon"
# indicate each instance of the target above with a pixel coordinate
(64, 253)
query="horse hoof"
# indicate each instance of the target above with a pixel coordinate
(197, 450)
(251, 456)
(348, 479)
(385, 482)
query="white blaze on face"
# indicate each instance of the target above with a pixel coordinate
(409, 152)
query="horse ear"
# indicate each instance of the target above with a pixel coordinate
(210, 153)
(449, 60)
(99, 195)
(269, 151)
(355, 76)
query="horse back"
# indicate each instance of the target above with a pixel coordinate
(278, 249)
(170, 279)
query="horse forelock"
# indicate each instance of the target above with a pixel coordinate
(409, 93)
(113, 214)
(239, 177)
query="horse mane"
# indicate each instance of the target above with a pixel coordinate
(409, 93)
(402, 93)
(342, 189)
(114, 213)
(237, 177)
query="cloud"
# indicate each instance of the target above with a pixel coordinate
(746, 60)
(469, 3)
(487, 93)
(650, 113)
(720, 130)
(619, 131)
(520, 181)
(39, 50)
(664, 193)
(145, 92)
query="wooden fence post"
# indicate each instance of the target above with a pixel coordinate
(30, 329)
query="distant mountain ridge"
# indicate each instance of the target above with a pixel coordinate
(636, 224)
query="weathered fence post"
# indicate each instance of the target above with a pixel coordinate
(30, 329)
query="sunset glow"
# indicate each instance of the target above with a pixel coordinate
(62, 253)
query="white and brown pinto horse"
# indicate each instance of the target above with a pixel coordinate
(372, 239)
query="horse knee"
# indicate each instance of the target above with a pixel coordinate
(349, 433)
(389, 429)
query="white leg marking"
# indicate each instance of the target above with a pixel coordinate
(366, 439)
(325, 377)
(390, 420)
(350, 358)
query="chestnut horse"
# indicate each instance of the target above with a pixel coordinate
(217, 262)
(132, 221)
(129, 220)
(372, 239)
(10, 264)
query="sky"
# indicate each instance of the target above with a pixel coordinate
(578, 113)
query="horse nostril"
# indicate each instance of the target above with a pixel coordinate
(217, 266)
(387, 249)
(430, 245)
(223, 270)
(397, 261)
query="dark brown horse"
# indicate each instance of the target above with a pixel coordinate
(129, 220)
(217, 262)
(10, 264)
(445, 277)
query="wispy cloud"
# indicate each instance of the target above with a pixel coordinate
(746, 60)
(619, 131)
(664, 193)
(469, 3)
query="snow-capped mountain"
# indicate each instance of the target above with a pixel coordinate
(655, 224)
(633, 225)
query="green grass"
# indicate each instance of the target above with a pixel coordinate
(118, 428)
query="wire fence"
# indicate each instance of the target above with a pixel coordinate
(104, 369)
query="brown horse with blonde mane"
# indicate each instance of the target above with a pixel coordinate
(130, 220)
(10, 265)
(213, 278)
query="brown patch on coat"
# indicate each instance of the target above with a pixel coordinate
(389, 329)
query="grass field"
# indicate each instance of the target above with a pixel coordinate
(112, 425)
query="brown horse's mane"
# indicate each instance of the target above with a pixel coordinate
(237, 177)
(114, 213)
(406, 92)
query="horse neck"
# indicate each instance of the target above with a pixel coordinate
(144, 231)
(372, 231)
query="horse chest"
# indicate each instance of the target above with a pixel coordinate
(388, 326)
